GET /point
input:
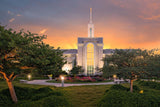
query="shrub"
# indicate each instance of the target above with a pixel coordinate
(150, 84)
(44, 90)
(29, 97)
(54, 101)
(122, 88)
(136, 88)
(5, 100)
(114, 98)
(43, 95)
(51, 101)
(29, 104)
(118, 87)
(24, 93)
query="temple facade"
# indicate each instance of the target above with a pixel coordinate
(89, 54)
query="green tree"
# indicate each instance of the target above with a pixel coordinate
(76, 70)
(154, 64)
(129, 64)
(44, 59)
(11, 46)
(19, 51)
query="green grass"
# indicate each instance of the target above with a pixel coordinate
(84, 96)
(3, 85)
(79, 96)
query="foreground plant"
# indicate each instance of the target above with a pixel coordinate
(132, 64)
(26, 51)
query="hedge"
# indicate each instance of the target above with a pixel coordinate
(29, 97)
(120, 96)
(150, 84)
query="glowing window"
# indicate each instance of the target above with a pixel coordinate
(90, 59)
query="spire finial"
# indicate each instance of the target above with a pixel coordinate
(90, 15)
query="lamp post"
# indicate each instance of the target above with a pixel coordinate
(29, 77)
(114, 77)
(62, 78)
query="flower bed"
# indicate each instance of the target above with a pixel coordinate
(82, 79)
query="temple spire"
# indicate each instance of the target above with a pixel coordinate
(90, 15)
(90, 26)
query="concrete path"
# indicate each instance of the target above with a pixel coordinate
(43, 82)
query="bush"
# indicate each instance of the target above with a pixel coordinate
(29, 104)
(43, 95)
(150, 84)
(5, 100)
(43, 90)
(122, 88)
(54, 101)
(118, 87)
(136, 88)
(29, 97)
(51, 101)
(114, 98)
(24, 93)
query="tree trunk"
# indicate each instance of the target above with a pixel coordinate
(12, 91)
(131, 86)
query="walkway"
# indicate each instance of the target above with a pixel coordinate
(43, 82)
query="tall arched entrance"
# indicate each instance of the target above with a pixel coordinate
(90, 59)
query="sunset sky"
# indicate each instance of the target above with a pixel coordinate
(121, 23)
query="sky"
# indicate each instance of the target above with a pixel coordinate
(122, 23)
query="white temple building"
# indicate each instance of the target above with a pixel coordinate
(89, 53)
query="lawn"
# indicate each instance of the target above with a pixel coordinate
(3, 85)
(85, 96)
(78, 96)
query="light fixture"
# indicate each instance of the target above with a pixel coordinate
(62, 78)
(114, 76)
(29, 77)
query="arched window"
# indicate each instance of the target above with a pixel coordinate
(90, 59)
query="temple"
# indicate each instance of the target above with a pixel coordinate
(89, 54)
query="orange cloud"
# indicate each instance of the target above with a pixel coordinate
(9, 12)
(151, 18)
(117, 33)
(18, 15)
(12, 19)
(42, 31)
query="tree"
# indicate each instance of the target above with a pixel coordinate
(19, 51)
(77, 70)
(11, 46)
(130, 64)
(44, 59)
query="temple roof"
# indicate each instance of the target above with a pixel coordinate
(75, 51)
(82, 39)
(69, 51)
(108, 51)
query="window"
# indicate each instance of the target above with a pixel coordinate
(90, 59)
(90, 32)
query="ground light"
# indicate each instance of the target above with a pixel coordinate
(62, 78)
(141, 92)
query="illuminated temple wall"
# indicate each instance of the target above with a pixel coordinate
(90, 52)
(80, 55)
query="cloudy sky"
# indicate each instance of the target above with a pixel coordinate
(122, 23)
